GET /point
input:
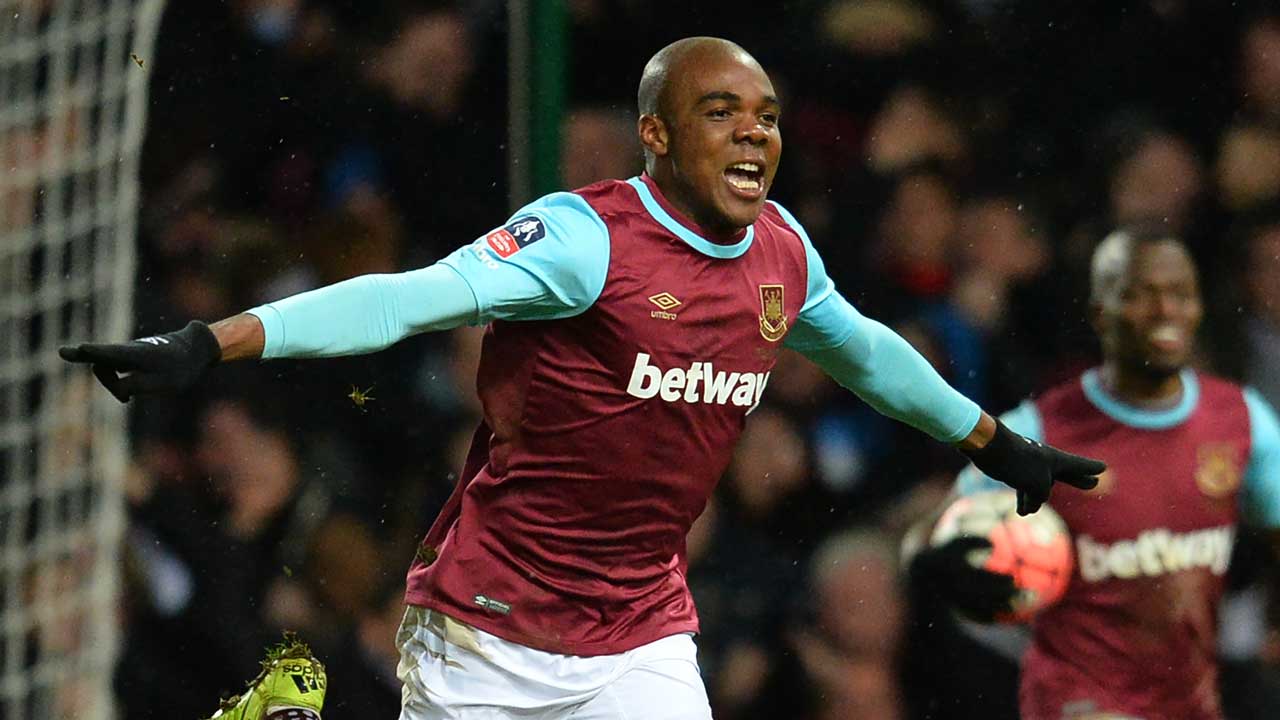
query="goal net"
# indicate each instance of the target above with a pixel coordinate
(73, 83)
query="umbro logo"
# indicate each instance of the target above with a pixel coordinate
(666, 302)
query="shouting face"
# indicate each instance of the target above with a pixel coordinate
(714, 141)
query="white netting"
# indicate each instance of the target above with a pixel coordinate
(73, 83)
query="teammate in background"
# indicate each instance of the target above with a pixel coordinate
(1189, 457)
(631, 328)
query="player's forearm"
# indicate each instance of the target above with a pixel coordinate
(365, 314)
(240, 337)
(884, 370)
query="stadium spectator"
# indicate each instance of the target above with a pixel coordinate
(743, 586)
(597, 143)
(362, 667)
(850, 651)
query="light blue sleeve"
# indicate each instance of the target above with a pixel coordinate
(365, 314)
(1261, 493)
(826, 319)
(873, 361)
(548, 261)
(1024, 420)
(883, 369)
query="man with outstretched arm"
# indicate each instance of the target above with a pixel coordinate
(632, 326)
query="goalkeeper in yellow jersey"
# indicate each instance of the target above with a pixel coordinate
(290, 686)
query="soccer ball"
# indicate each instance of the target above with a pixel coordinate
(1035, 549)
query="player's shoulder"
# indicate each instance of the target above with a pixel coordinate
(1216, 388)
(775, 217)
(610, 197)
(779, 230)
(1224, 395)
(1064, 395)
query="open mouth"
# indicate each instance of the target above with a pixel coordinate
(1167, 338)
(745, 177)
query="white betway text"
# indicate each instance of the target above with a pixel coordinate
(700, 382)
(1155, 552)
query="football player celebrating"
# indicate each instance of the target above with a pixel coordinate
(632, 325)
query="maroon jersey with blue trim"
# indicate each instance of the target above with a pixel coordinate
(1135, 633)
(605, 433)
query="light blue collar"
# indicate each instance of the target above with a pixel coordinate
(1142, 418)
(694, 240)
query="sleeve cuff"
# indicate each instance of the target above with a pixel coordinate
(482, 303)
(974, 414)
(272, 330)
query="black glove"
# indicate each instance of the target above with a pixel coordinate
(158, 364)
(1032, 468)
(945, 572)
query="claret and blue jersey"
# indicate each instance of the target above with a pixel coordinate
(1135, 631)
(622, 354)
(560, 271)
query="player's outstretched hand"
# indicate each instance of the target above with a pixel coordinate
(158, 364)
(1032, 467)
(947, 572)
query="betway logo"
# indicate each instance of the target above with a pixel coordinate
(700, 382)
(1155, 552)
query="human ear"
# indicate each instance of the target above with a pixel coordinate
(654, 135)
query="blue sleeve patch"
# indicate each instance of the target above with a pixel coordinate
(1261, 492)
(1024, 420)
(826, 319)
(549, 261)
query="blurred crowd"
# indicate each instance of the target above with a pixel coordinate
(955, 162)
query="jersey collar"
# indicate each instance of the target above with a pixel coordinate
(658, 208)
(1142, 418)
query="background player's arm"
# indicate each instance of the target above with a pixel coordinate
(945, 571)
(1260, 494)
(1024, 420)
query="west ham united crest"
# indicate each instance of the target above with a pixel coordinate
(1217, 469)
(773, 318)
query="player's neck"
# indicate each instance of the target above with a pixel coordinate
(667, 193)
(1141, 389)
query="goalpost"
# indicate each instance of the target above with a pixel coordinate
(73, 85)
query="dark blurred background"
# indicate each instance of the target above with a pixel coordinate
(955, 162)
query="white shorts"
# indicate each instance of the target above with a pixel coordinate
(452, 671)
